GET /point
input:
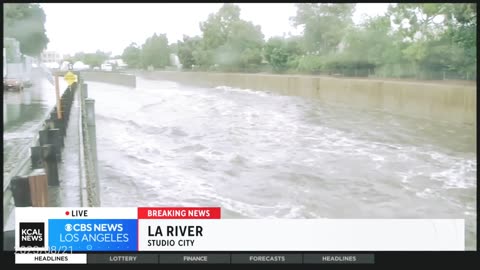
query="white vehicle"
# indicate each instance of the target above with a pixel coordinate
(107, 67)
(80, 66)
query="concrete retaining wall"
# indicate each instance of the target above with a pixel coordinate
(454, 103)
(110, 77)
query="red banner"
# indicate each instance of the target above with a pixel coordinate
(179, 213)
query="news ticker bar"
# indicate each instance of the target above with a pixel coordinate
(196, 258)
(197, 229)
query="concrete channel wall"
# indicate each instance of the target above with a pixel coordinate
(110, 77)
(452, 103)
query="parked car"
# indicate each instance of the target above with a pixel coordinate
(13, 83)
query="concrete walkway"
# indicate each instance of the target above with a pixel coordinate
(68, 194)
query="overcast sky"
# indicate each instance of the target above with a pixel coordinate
(112, 27)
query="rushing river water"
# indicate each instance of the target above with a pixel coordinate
(262, 155)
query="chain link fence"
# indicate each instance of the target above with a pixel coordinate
(404, 71)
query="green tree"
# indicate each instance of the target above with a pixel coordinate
(96, 59)
(132, 56)
(432, 28)
(282, 54)
(156, 52)
(174, 48)
(243, 48)
(310, 64)
(215, 31)
(218, 26)
(324, 25)
(368, 41)
(186, 50)
(229, 42)
(461, 20)
(11, 55)
(26, 23)
(92, 59)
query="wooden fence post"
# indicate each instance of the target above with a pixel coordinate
(38, 183)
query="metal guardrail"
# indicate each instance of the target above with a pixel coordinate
(81, 155)
(90, 182)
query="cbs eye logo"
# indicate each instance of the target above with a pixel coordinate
(68, 227)
(32, 234)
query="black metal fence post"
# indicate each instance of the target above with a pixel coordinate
(51, 167)
(56, 139)
(36, 157)
(20, 188)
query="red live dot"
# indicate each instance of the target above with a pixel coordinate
(67, 213)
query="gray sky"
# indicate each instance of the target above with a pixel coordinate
(112, 27)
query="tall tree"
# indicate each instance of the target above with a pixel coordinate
(461, 20)
(218, 26)
(156, 52)
(132, 56)
(324, 25)
(26, 23)
(439, 36)
(229, 42)
(186, 50)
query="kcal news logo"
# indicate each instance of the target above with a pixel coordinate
(32, 234)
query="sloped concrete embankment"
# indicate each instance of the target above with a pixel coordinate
(110, 77)
(452, 103)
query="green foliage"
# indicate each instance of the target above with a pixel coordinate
(310, 64)
(325, 25)
(462, 30)
(174, 48)
(11, 56)
(186, 49)
(132, 56)
(243, 46)
(92, 59)
(412, 40)
(283, 54)
(156, 52)
(218, 26)
(26, 23)
(348, 67)
(229, 43)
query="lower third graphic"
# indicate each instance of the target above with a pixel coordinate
(93, 234)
